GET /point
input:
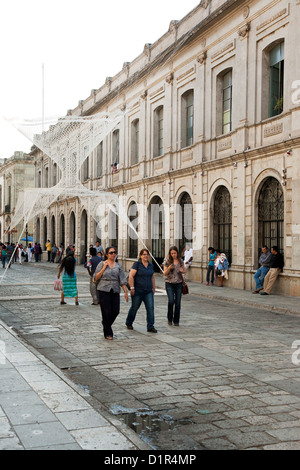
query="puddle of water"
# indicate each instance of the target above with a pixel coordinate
(143, 421)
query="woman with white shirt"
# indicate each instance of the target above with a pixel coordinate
(111, 277)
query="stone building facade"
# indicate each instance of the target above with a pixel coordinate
(16, 174)
(210, 137)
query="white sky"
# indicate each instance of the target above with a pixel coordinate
(80, 43)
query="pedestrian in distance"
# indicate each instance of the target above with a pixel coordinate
(174, 271)
(91, 266)
(211, 265)
(48, 248)
(110, 277)
(142, 289)
(69, 277)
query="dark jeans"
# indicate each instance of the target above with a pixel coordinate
(49, 255)
(174, 292)
(210, 269)
(110, 309)
(136, 300)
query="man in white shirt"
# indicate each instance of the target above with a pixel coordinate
(187, 257)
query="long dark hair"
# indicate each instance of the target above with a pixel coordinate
(69, 263)
(170, 258)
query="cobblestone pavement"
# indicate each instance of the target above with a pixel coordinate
(226, 378)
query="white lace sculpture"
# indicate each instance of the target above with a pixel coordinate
(68, 142)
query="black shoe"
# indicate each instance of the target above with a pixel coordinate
(129, 327)
(264, 293)
(152, 330)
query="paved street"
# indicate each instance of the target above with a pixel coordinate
(223, 379)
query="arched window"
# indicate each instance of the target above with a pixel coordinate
(185, 221)
(271, 214)
(133, 238)
(187, 119)
(222, 222)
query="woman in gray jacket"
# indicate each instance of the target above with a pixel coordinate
(111, 277)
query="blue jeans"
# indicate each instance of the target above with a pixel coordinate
(136, 300)
(210, 269)
(260, 275)
(174, 292)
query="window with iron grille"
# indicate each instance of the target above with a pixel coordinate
(271, 215)
(223, 222)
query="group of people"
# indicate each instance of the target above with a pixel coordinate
(217, 266)
(12, 253)
(270, 266)
(107, 278)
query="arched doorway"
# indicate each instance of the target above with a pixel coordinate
(156, 217)
(132, 236)
(62, 230)
(45, 231)
(185, 221)
(271, 214)
(222, 222)
(72, 229)
(83, 237)
(52, 239)
(37, 231)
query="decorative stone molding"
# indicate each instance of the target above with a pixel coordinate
(271, 20)
(204, 3)
(93, 94)
(80, 104)
(147, 49)
(246, 12)
(108, 82)
(224, 144)
(170, 78)
(228, 48)
(243, 31)
(144, 95)
(126, 68)
(273, 129)
(173, 26)
(202, 57)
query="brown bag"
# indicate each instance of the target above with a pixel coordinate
(185, 289)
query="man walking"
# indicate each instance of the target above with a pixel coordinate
(276, 267)
(264, 263)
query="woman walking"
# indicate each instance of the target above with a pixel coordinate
(69, 277)
(111, 277)
(173, 271)
(142, 289)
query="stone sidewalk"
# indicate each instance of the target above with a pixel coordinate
(223, 380)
